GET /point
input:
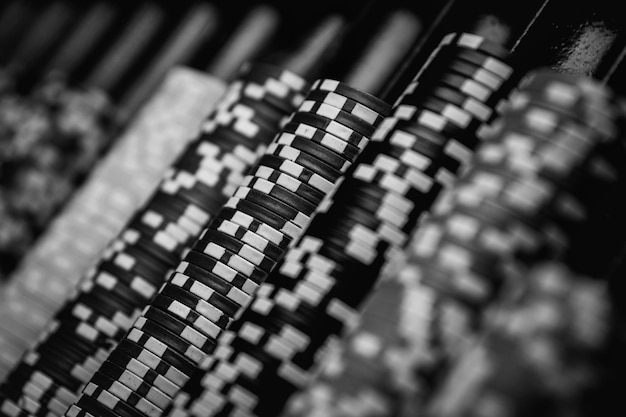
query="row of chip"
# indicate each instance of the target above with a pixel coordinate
(218, 276)
(121, 181)
(135, 264)
(50, 140)
(544, 186)
(316, 291)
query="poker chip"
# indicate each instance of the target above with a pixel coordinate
(344, 90)
(338, 161)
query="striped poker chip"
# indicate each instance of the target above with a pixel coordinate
(237, 114)
(136, 384)
(154, 362)
(248, 237)
(167, 205)
(105, 285)
(415, 162)
(339, 161)
(273, 93)
(106, 400)
(402, 186)
(188, 315)
(478, 110)
(109, 274)
(465, 69)
(381, 227)
(174, 324)
(338, 145)
(159, 243)
(289, 78)
(211, 281)
(310, 162)
(368, 195)
(246, 127)
(470, 87)
(211, 290)
(330, 126)
(337, 115)
(273, 203)
(345, 104)
(230, 266)
(223, 157)
(286, 195)
(495, 65)
(259, 212)
(144, 328)
(273, 235)
(239, 248)
(293, 176)
(190, 305)
(476, 42)
(138, 262)
(158, 228)
(122, 393)
(358, 242)
(452, 113)
(345, 90)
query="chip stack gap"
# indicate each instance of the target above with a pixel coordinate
(220, 273)
(546, 178)
(136, 263)
(315, 292)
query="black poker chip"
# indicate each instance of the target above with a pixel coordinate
(301, 158)
(260, 259)
(89, 407)
(237, 266)
(455, 115)
(283, 99)
(265, 215)
(270, 233)
(478, 43)
(239, 111)
(265, 110)
(330, 141)
(274, 204)
(311, 194)
(503, 68)
(144, 257)
(438, 66)
(343, 89)
(132, 399)
(189, 316)
(108, 401)
(199, 268)
(179, 327)
(207, 308)
(137, 263)
(299, 172)
(288, 78)
(327, 125)
(470, 87)
(290, 196)
(147, 382)
(61, 377)
(143, 286)
(168, 338)
(169, 359)
(337, 115)
(338, 161)
(154, 247)
(247, 236)
(346, 104)
(175, 208)
(475, 108)
(164, 228)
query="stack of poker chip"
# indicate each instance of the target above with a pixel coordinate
(414, 155)
(120, 182)
(51, 138)
(219, 275)
(543, 184)
(136, 263)
(314, 294)
(567, 317)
